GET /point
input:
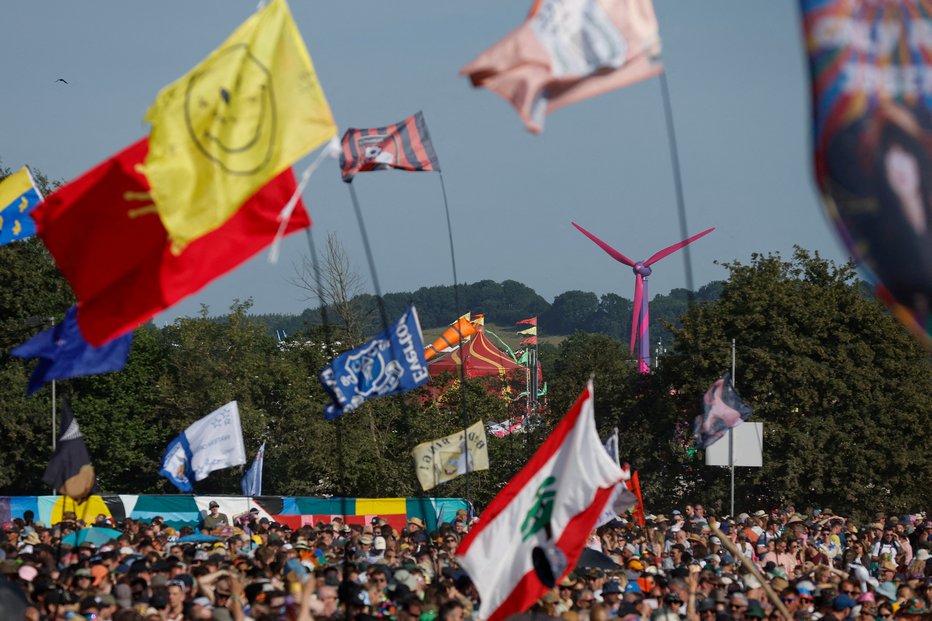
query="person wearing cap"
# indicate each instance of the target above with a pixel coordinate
(214, 519)
(611, 597)
(841, 606)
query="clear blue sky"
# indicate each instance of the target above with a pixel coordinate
(736, 70)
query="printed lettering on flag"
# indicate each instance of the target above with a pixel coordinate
(233, 123)
(391, 363)
(442, 460)
(211, 443)
(722, 409)
(405, 145)
(18, 197)
(553, 503)
(872, 136)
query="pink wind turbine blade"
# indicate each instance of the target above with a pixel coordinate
(671, 249)
(636, 314)
(601, 244)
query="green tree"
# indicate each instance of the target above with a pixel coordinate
(843, 391)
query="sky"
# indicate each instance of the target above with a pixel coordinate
(737, 75)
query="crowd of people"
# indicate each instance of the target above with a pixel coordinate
(769, 564)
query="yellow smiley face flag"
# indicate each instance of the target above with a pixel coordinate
(233, 123)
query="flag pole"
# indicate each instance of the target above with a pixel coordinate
(369, 258)
(462, 365)
(677, 181)
(731, 437)
(54, 436)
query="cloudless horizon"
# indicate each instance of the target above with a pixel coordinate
(739, 91)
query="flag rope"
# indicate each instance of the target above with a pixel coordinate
(332, 149)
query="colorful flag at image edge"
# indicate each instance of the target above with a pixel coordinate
(405, 145)
(108, 242)
(542, 65)
(202, 167)
(18, 197)
(563, 489)
(856, 123)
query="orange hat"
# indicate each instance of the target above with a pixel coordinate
(99, 572)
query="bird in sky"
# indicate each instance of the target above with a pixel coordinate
(62, 80)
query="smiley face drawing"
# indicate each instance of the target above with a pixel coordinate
(229, 109)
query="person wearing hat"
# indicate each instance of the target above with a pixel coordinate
(214, 519)
(841, 607)
(611, 597)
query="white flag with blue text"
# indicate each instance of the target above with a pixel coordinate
(212, 443)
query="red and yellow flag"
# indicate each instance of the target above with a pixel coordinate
(233, 123)
(108, 242)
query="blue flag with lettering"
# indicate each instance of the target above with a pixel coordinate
(63, 353)
(391, 363)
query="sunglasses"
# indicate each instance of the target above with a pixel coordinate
(737, 607)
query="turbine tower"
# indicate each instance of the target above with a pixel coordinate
(640, 320)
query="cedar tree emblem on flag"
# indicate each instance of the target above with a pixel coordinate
(553, 503)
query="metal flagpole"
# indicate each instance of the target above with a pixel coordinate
(462, 366)
(678, 181)
(731, 438)
(54, 434)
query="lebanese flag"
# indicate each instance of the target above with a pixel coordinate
(568, 480)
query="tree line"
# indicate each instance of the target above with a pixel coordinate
(843, 391)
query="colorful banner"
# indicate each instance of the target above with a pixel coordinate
(873, 141)
(182, 510)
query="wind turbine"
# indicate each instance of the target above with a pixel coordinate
(640, 320)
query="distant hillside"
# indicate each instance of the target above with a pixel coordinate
(508, 302)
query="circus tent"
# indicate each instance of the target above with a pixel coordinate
(481, 356)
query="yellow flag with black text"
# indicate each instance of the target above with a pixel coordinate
(233, 123)
(445, 459)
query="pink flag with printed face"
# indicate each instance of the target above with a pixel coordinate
(567, 51)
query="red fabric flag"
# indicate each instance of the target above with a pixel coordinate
(108, 241)
(568, 51)
(531, 340)
(634, 485)
(532, 321)
(405, 145)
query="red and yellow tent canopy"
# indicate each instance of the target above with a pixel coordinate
(480, 358)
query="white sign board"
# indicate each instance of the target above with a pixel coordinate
(748, 447)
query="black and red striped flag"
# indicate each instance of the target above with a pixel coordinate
(405, 145)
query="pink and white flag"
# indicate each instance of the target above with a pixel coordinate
(552, 503)
(567, 51)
